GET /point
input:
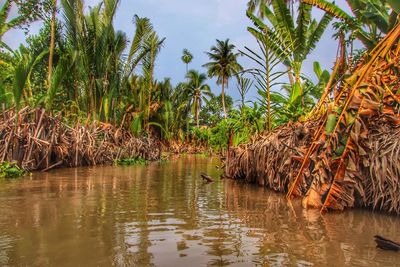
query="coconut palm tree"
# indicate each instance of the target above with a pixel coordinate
(154, 44)
(223, 65)
(197, 91)
(187, 57)
(52, 40)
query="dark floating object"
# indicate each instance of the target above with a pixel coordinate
(386, 244)
(206, 178)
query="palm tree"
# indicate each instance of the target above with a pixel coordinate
(52, 40)
(197, 90)
(223, 65)
(187, 57)
(154, 44)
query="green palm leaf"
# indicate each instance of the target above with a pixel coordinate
(331, 9)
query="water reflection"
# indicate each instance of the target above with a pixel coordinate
(163, 215)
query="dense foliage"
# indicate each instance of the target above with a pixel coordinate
(10, 170)
(80, 67)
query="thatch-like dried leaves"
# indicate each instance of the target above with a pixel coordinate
(351, 155)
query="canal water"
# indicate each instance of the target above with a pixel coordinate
(164, 215)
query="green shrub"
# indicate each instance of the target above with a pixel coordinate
(10, 170)
(132, 161)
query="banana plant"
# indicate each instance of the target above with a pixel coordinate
(290, 40)
(370, 18)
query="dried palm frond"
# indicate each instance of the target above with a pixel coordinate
(38, 141)
(350, 156)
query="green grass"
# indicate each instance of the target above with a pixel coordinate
(9, 170)
(132, 161)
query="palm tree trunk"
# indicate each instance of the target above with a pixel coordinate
(269, 103)
(52, 41)
(148, 105)
(187, 71)
(152, 58)
(197, 110)
(223, 97)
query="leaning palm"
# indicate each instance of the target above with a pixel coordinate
(223, 65)
(154, 44)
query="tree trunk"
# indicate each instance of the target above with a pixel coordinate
(268, 80)
(152, 58)
(223, 97)
(52, 41)
(148, 106)
(197, 110)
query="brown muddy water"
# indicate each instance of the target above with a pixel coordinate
(164, 215)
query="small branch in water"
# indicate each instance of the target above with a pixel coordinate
(386, 244)
(206, 178)
(53, 166)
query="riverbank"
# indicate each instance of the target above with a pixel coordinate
(37, 141)
(349, 154)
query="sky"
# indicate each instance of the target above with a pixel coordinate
(195, 25)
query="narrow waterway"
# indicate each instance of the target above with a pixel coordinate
(164, 215)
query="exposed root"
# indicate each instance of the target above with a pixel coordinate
(37, 141)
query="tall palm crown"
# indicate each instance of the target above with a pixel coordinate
(187, 57)
(197, 91)
(223, 65)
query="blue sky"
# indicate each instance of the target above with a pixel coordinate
(195, 25)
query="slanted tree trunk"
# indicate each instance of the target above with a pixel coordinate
(52, 41)
(197, 107)
(223, 97)
(268, 86)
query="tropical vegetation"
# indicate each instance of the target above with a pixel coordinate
(81, 69)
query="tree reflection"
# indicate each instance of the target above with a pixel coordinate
(163, 213)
